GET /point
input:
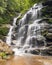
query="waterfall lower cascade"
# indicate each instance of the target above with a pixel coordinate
(28, 37)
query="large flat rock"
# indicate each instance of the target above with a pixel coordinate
(28, 60)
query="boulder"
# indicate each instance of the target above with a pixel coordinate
(49, 51)
(49, 44)
(49, 36)
(50, 30)
(36, 52)
(5, 50)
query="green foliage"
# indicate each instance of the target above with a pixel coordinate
(3, 55)
(11, 8)
(3, 31)
(50, 21)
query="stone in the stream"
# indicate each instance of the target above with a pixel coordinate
(49, 44)
(49, 51)
(50, 30)
(36, 52)
(49, 36)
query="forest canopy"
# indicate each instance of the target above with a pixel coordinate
(10, 8)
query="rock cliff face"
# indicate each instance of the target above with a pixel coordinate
(47, 14)
(46, 30)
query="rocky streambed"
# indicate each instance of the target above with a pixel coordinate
(7, 57)
(28, 60)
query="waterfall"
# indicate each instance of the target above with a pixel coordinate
(9, 36)
(29, 35)
(11, 31)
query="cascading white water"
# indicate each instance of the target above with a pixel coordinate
(11, 30)
(9, 36)
(28, 32)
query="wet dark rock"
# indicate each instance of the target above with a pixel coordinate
(25, 34)
(46, 52)
(13, 37)
(12, 43)
(26, 51)
(34, 52)
(49, 36)
(26, 19)
(44, 32)
(40, 43)
(28, 16)
(49, 51)
(44, 20)
(49, 44)
(32, 41)
(50, 30)
(48, 2)
(35, 8)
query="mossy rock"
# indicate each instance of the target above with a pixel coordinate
(49, 44)
(44, 32)
(49, 36)
(50, 21)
